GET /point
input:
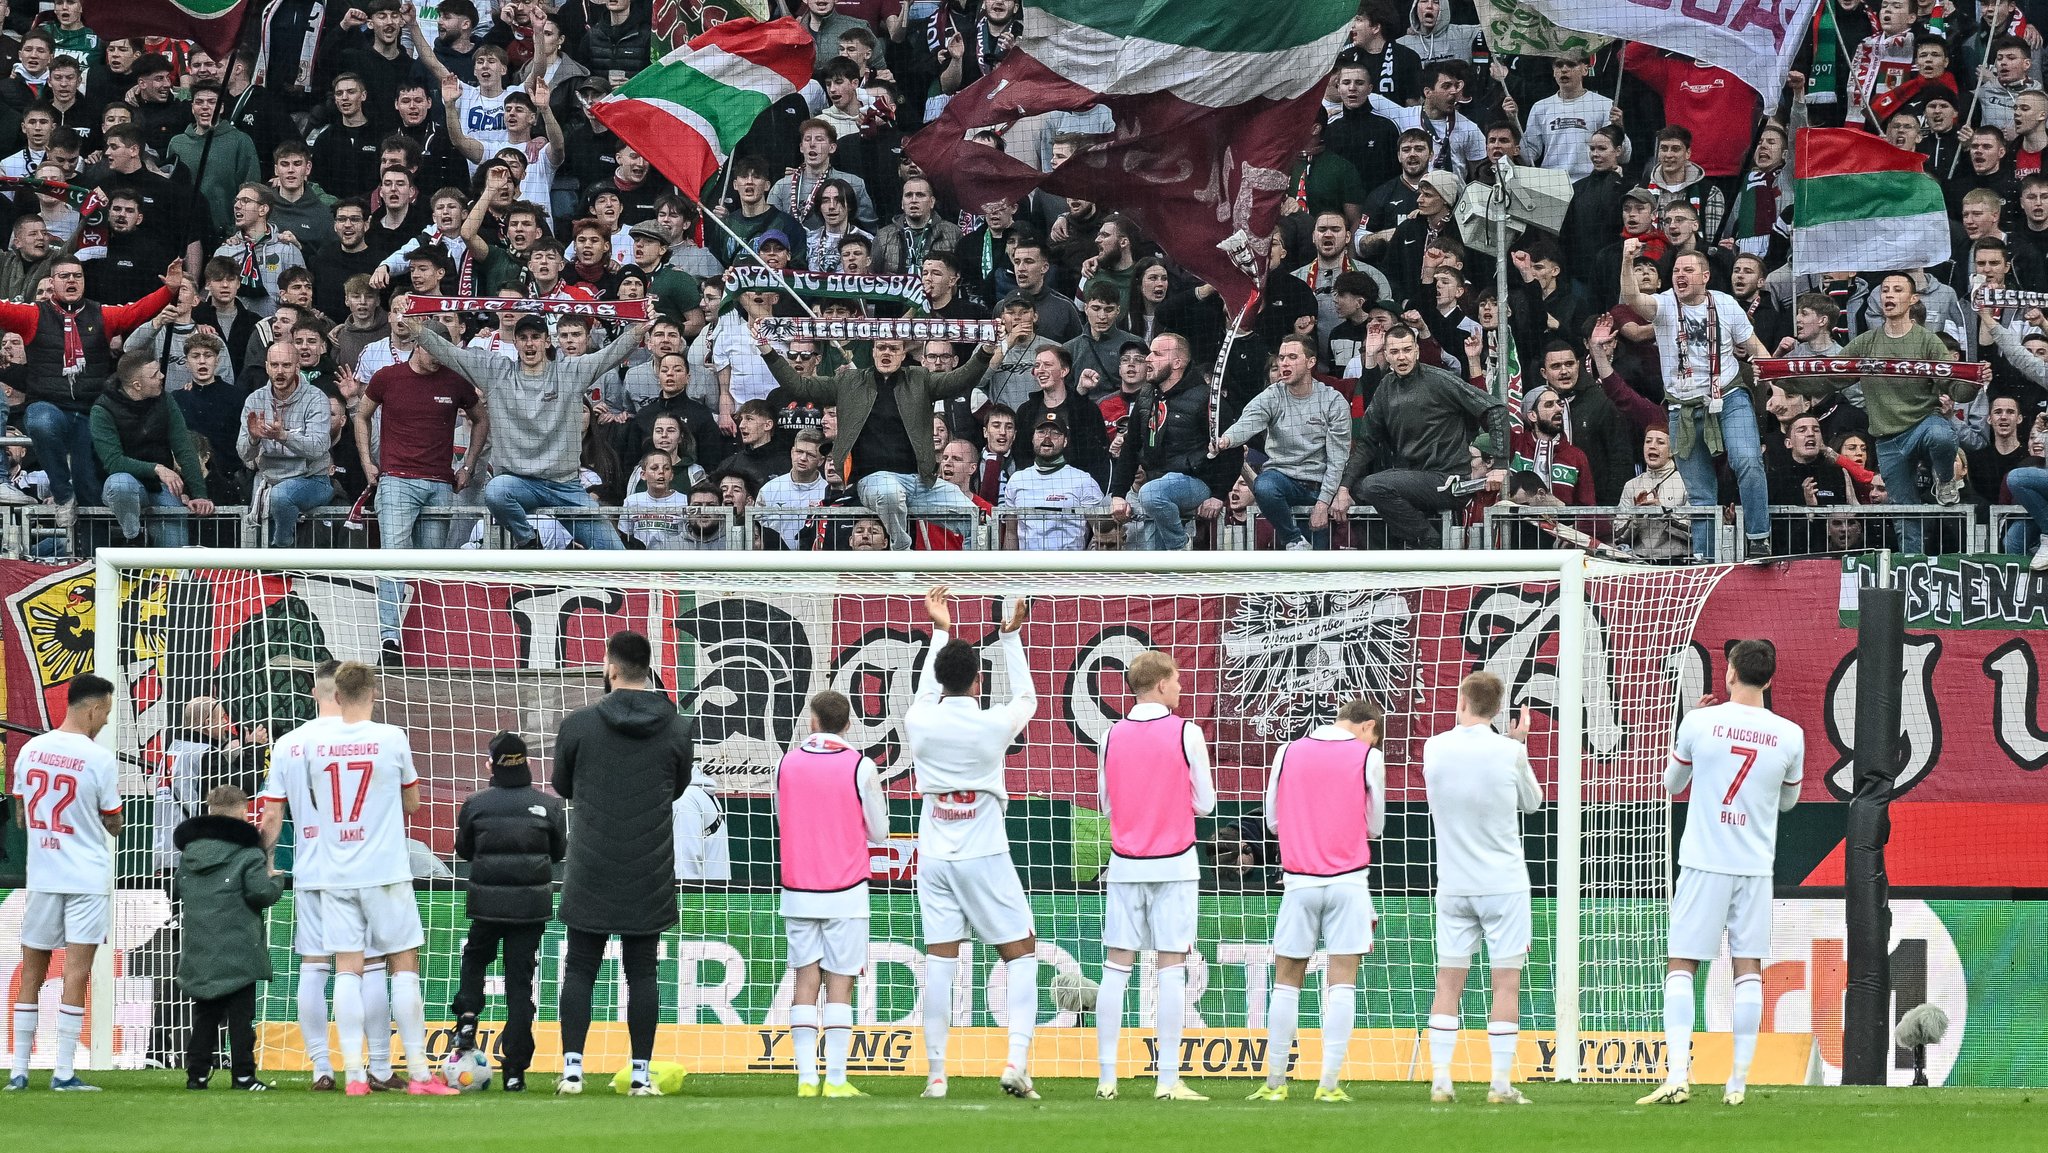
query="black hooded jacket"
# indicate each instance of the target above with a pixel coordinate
(621, 763)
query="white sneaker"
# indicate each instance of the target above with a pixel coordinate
(67, 514)
(934, 1089)
(1017, 1083)
(567, 1086)
(14, 496)
(2040, 561)
(1669, 1093)
(1949, 491)
(1301, 545)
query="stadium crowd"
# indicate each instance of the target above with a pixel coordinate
(252, 222)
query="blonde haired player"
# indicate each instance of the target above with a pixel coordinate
(70, 797)
(1326, 801)
(1154, 781)
(1745, 764)
(829, 807)
(1479, 783)
(350, 784)
(966, 880)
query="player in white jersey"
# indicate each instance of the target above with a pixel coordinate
(316, 960)
(350, 783)
(1326, 801)
(1479, 783)
(1745, 764)
(825, 830)
(68, 795)
(966, 881)
(1155, 765)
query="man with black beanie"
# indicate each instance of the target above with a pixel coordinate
(621, 762)
(512, 834)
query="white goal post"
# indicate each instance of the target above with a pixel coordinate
(1269, 644)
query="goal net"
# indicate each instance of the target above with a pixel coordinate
(1270, 647)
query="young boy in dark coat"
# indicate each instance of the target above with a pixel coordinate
(224, 884)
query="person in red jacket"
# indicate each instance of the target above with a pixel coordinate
(70, 360)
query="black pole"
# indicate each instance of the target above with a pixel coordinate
(1880, 668)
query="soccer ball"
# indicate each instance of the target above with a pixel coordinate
(468, 1071)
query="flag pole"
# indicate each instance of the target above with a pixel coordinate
(1501, 332)
(715, 218)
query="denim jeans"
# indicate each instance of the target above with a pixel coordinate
(1745, 459)
(126, 498)
(1166, 502)
(1898, 459)
(898, 496)
(512, 498)
(1278, 494)
(2030, 488)
(292, 499)
(399, 525)
(63, 444)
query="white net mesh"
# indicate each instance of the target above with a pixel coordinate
(1266, 654)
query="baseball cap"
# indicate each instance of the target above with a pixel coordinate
(772, 236)
(1640, 193)
(508, 749)
(1016, 300)
(529, 323)
(1050, 418)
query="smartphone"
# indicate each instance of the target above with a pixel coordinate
(922, 9)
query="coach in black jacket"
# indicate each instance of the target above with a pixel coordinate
(512, 834)
(622, 762)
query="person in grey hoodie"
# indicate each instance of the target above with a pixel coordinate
(1414, 438)
(1308, 442)
(621, 764)
(536, 407)
(285, 440)
(1432, 35)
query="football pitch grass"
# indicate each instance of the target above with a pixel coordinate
(140, 1112)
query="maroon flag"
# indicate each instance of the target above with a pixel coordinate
(1211, 107)
(212, 24)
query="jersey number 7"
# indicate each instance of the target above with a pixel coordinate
(362, 770)
(1748, 756)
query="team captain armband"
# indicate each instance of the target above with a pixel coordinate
(1776, 368)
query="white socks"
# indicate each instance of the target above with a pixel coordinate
(70, 1022)
(1443, 1045)
(938, 1011)
(377, 1018)
(1501, 1039)
(25, 1017)
(1340, 1012)
(1678, 1025)
(1283, 1016)
(838, 1040)
(409, 1009)
(639, 1075)
(1172, 1016)
(572, 1065)
(1109, 1017)
(803, 1037)
(348, 1020)
(1748, 1018)
(1023, 1003)
(313, 1015)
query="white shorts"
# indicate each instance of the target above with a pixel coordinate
(1151, 915)
(1341, 916)
(837, 944)
(376, 921)
(981, 894)
(55, 920)
(308, 937)
(1706, 903)
(1501, 918)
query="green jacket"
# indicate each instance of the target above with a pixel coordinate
(229, 163)
(854, 391)
(223, 885)
(134, 437)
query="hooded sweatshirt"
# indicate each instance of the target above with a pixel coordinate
(621, 763)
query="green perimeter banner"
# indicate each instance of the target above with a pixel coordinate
(1953, 592)
(1980, 961)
